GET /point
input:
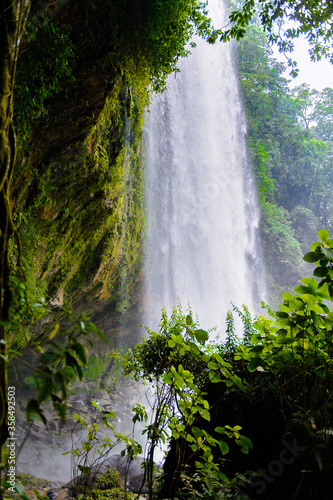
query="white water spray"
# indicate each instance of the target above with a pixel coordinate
(202, 214)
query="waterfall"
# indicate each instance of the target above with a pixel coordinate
(202, 214)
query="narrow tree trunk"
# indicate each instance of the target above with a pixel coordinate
(13, 14)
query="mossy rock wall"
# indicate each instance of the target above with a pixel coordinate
(78, 183)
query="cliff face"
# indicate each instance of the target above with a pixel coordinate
(78, 182)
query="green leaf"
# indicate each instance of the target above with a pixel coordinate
(309, 299)
(109, 414)
(92, 327)
(316, 308)
(73, 363)
(282, 332)
(107, 423)
(301, 289)
(189, 320)
(254, 363)
(286, 340)
(282, 314)
(51, 356)
(297, 304)
(316, 245)
(197, 432)
(224, 448)
(320, 272)
(325, 308)
(45, 389)
(33, 411)
(80, 350)
(58, 381)
(54, 331)
(245, 444)
(258, 325)
(206, 415)
(312, 256)
(201, 336)
(323, 235)
(287, 296)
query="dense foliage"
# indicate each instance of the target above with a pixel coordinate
(281, 369)
(90, 66)
(179, 367)
(284, 21)
(289, 138)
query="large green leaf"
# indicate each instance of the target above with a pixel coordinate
(309, 299)
(201, 336)
(320, 272)
(323, 235)
(287, 296)
(297, 304)
(282, 314)
(316, 308)
(301, 289)
(312, 256)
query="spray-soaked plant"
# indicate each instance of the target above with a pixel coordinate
(89, 454)
(178, 365)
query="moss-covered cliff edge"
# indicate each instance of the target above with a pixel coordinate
(78, 184)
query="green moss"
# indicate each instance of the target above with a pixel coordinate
(31, 482)
(109, 494)
(96, 367)
(87, 210)
(108, 486)
(78, 181)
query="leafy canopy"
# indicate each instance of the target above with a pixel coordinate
(286, 20)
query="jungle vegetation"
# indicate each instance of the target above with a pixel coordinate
(233, 410)
(80, 69)
(290, 143)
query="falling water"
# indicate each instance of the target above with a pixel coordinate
(202, 214)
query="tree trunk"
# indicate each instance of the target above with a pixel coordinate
(13, 14)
